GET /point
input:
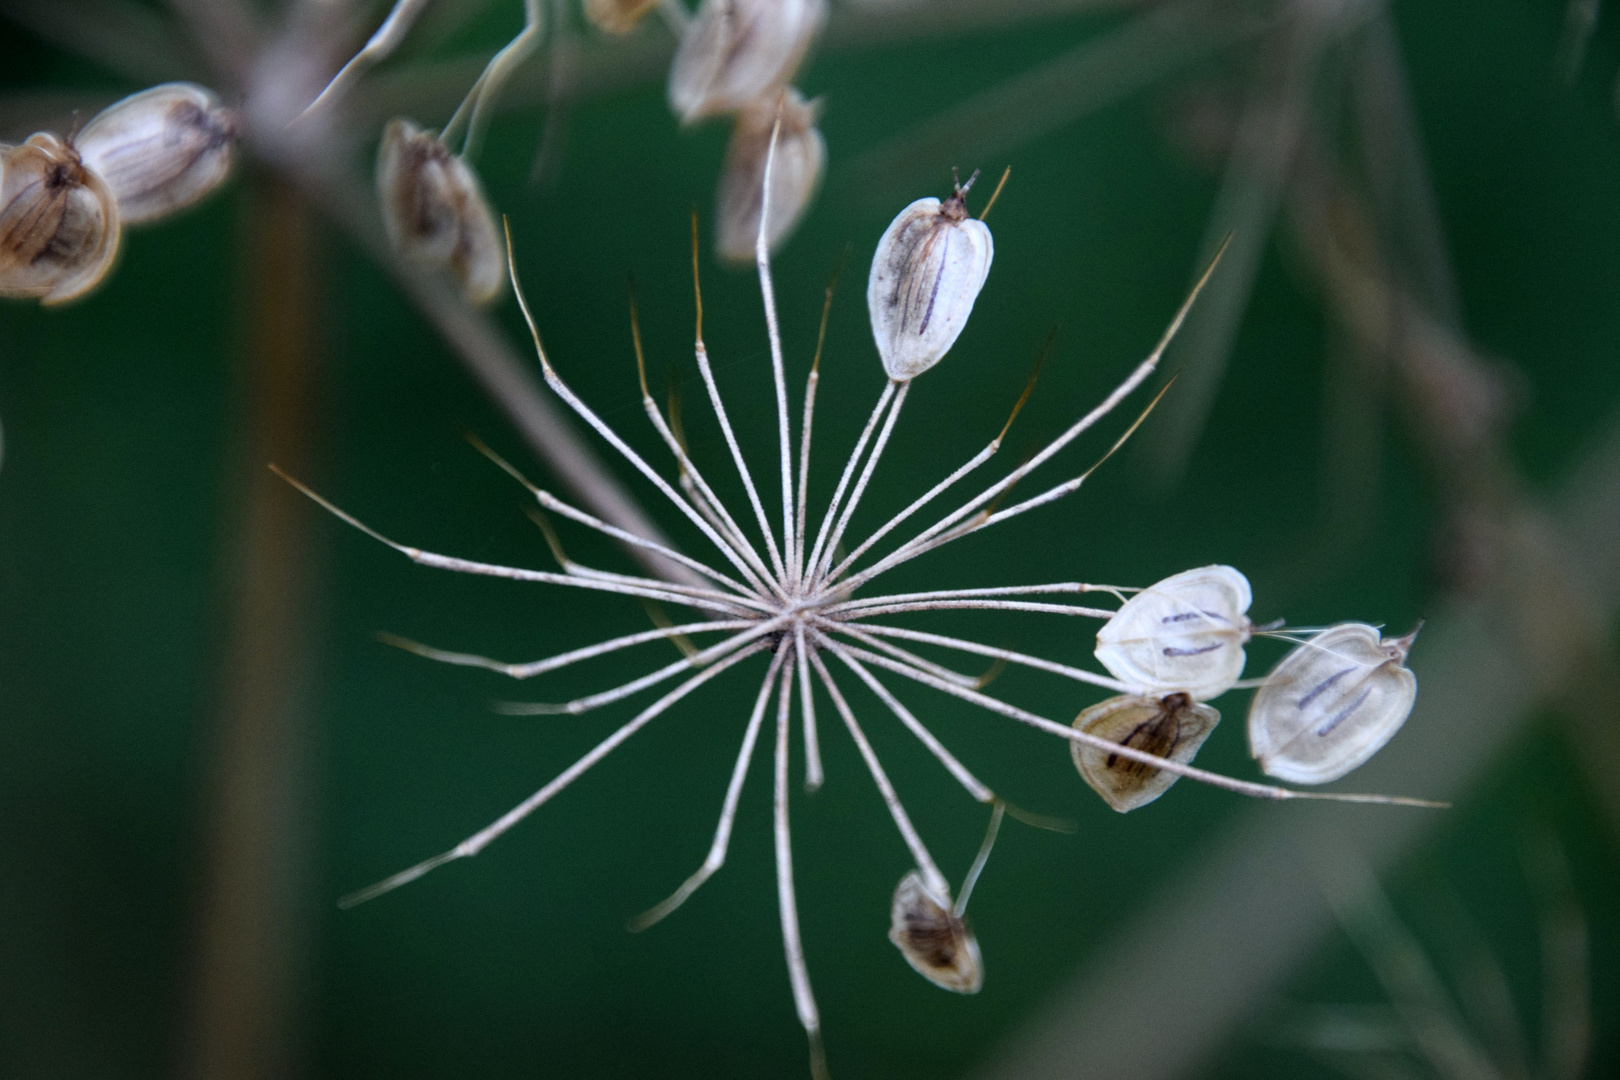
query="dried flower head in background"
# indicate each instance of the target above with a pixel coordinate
(1332, 703)
(59, 222)
(435, 211)
(735, 52)
(800, 158)
(160, 150)
(929, 268)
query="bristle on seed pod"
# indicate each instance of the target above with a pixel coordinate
(617, 16)
(1172, 727)
(933, 939)
(1331, 704)
(929, 267)
(59, 222)
(160, 150)
(435, 211)
(1185, 633)
(801, 155)
(734, 52)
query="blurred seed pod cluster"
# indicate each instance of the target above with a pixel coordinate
(738, 58)
(435, 212)
(64, 201)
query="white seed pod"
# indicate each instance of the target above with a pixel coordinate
(1331, 704)
(734, 52)
(1172, 727)
(435, 210)
(617, 16)
(801, 155)
(160, 150)
(934, 941)
(1185, 633)
(59, 223)
(928, 270)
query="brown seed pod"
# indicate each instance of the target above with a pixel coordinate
(59, 222)
(617, 16)
(801, 155)
(1173, 727)
(933, 939)
(435, 211)
(160, 150)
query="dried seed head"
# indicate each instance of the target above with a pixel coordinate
(1331, 704)
(1185, 634)
(1172, 727)
(930, 265)
(617, 16)
(435, 211)
(801, 154)
(734, 52)
(933, 940)
(161, 149)
(59, 222)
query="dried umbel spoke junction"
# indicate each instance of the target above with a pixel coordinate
(780, 589)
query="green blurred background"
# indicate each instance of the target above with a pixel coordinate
(123, 532)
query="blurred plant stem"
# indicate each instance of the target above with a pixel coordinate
(250, 934)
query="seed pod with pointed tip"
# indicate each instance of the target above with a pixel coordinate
(1172, 727)
(1185, 633)
(59, 223)
(801, 154)
(617, 16)
(934, 941)
(928, 270)
(160, 150)
(1331, 704)
(735, 51)
(435, 211)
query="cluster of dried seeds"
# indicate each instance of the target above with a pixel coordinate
(786, 592)
(64, 201)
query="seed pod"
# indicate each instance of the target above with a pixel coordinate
(617, 16)
(933, 940)
(161, 149)
(928, 270)
(734, 52)
(1172, 727)
(801, 154)
(59, 223)
(435, 210)
(1331, 704)
(1185, 634)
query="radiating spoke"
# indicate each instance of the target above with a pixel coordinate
(661, 591)
(481, 839)
(866, 477)
(635, 686)
(787, 901)
(849, 471)
(585, 413)
(728, 809)
(1009, 655)
(561, 660)
(807, 706)
(974, 787)
(902, 821)
(767, 292)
